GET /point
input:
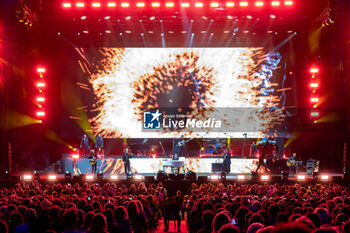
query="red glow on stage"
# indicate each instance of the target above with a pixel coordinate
(155, 4)
(40, 99)
(40, 70)
(301, 177)
(89, 177)
(185, 4)
(112, 4)
(80, 4)
(314, 99)
(230, 4)
(214, 4)
(314, 85)
(169, 4)
(140, 4)
(75, 156)
(198, 4)
(324, 177)
(243, 4)
(52, 177)
(67, 5)
(257, 155)
(275, 3)
(288, 3)
(314, 70)
(125, 4)
(114, 177)
(154, 156)
(40, 84)
(40, 113)
(265, 177)
(27, 177)
(259, 4)
(284, 156)
(96, 4)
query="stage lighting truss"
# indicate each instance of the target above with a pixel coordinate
(171, 4)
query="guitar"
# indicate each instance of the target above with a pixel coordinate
(292, 162)
(183, 142)
(93, 160)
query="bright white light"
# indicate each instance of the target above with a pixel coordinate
(241, 177)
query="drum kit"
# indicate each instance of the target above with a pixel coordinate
(214, 147)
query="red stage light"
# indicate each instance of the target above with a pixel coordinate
(154, 156)
(67, 5)
(27, 177)
(185, 4)
(140, 4)
(40, 70)
(214, 4)
(80, 4)
(40, 99)
(257, 155)
(265, 177)
(52, 177)
(275, 3)
(230, 4)
(288, 3)
(89, 177)
(125, 4)
(169, 4)
(96, 4)
(75, 156)
(40, 113)
(301, 177)
(198, 4)
(314, 99)
(314, 114)
(259, 4)
(155, 4)
(324, 177)
(112, 4)
(284, 156)
(40, 84)
(314, 70)
(243, 4)
(314, 85)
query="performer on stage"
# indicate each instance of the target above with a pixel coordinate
(293, 165)
(179, 148)
(126, 160)
(227, 161)
(93, 161)
(99, 144)
(263, 148)
(218, 147)
(84, 145)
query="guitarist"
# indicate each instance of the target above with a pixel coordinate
(93, 161)
(179, 147)
(292, 163)
(126, 160)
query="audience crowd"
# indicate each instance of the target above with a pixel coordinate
(205, 208)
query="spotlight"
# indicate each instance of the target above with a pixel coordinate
(40, 70)
(214, 4)
(185, 4)
(140, 4)
(264, 177)
(89, 177)
(67, 175)
(52, 177)
(27, 177)
(114, 177)
(198, 4)
(79, 4)
(288, 3)
(99, 175)
(190, 175)
(112, 4)
(301, 177)
(314, 70)
(285, 175)
(125, 4)
(75, 156)
(155, 4)
(241, 177)
(96, 4)
(259, 4)
(275, 3)
(169, 4)
(324, 178)
(243, 4)
(214, 177)
(36, 175)
(67, 5)
(314, 99)
(230, 4)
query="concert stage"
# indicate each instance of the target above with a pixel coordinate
(147, 166)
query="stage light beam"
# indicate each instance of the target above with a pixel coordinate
(265, 177)
(301, 177)
(89, 177)
(275, 3)
(40, 113)
(40, 70)
(75, 156)
(241, 177)
(288, 3)
(52, 177)
(314, 99)
(140, 4)
(314, 114)
(314, 70)
(314, 85)
(40, 99)
(185, 4)
(230, 4)
(214, 177)
(40, 84)
(27, 177)
(114, 177)
(125, 4)
(155, 4)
